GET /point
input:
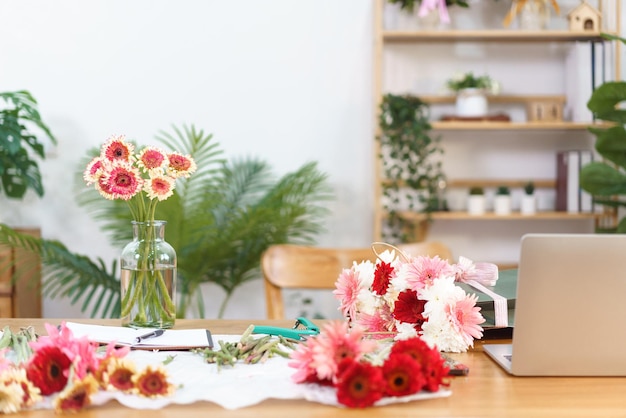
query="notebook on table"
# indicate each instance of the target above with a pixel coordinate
(570, 312)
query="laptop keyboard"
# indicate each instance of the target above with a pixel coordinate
(509, 357)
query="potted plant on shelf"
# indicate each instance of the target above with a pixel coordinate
(20, 148)
(502, 201)
(476, 201)
(471, 93)
(411, 165)
(528, 204)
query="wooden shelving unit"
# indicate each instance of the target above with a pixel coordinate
(384, 37)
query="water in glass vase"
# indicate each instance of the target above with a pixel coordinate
(149, 296)
(148, 283)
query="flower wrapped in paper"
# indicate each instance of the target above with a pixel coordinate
(401, 296)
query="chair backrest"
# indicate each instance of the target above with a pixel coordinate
(288, 266)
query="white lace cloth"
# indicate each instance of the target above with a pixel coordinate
(230, 387)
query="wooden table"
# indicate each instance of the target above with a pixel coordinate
(486, 391)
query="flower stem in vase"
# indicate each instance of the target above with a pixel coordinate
(148, 278)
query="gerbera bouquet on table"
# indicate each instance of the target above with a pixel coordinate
(404, 297)
(363, 371)
(66, 371)
(142, 179)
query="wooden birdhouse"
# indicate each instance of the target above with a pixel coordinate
(584, 18)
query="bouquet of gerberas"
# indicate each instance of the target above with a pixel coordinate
(142, 179)
(406, 297)
(364, 371)
(68, 371)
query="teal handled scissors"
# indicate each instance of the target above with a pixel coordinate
(300, 331)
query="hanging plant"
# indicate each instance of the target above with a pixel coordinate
(412, 173)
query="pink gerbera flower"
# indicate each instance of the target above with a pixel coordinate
(122, 181)
(151, 158)
(422, 271)
(180, 165)
(321, 355)
(116, 149)
(380, 324)
(347, 290)
(93, 172)
(466, 317)
(159, 187)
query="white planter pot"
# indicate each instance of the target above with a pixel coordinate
(528, 205)
(476, 204)
(471, 103)
(502, 205)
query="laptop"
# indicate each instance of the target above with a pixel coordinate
(570, 312)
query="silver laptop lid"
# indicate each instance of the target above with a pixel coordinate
(570, 313)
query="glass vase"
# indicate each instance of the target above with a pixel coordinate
(534, 15)
(148, 282)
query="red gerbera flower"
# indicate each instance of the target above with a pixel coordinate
(119, 374)
(48, 369)
(382, 276)
(435, 371)
(360, 384)
(403, 375)
(152, 382)
(414, 347)
(408, 308)
(76, 397)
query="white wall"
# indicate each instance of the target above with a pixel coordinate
(289, 81)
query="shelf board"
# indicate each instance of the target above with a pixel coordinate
(499, 35)
(494, 183)
(510, 126)
(491, 183)
(514, 216)
(499, 98)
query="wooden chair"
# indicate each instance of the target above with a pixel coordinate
(287, 266)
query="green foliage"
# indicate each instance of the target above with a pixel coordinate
(19, 170)
(411, 170)
(529, 188)
(503, 191)
(606, 180)
(476, 191)
(469, 80)
(220, 220)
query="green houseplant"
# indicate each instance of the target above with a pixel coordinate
(19, 146)
(220, 221)
(502, 201)
(476, 201)
(528, 203)
(411, 165)
(606, 180)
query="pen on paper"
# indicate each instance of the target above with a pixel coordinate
(151, 334)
